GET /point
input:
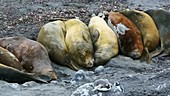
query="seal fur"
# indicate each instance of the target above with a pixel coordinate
(147, 27)
(129, 36)
(79, 44)
(104, 40)
(32, 55)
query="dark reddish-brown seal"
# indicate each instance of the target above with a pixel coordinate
(162, 21)
(147, 27)
(32, 55)
(129, 36)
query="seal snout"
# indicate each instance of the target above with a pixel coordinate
(90, 63)
(135, 54)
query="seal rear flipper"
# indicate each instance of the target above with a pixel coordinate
(74, 66)
(146, 56)
(157, 52)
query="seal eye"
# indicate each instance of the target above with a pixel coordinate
(28, 67)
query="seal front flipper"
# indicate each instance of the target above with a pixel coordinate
(145, 56)
(95, 35)
(11, 74)
(9, 59)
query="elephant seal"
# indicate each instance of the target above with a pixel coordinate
(129, 36)
(9, 59)
(104, 40)
(32, 55)
(79, 44)
(161, 19)
(147, 27)
(52, 37)
(14, 75)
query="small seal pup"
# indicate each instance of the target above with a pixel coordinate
(129, 36)
(79, 44)
(9, 59)
(31, 54)
(147, 27)
(52, 37)
(161, 19)
(104, 40)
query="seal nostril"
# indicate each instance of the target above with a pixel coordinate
(91, 63)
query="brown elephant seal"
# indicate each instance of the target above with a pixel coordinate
(104, 40)
(14, 75)
(32, 55)
(52, 36)
(9, 59)
(161, 19)
(147, 27)
(79, 44)
(129, 36)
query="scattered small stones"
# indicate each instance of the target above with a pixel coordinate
(79, 76)
(99, 69)
(29, 84)
(14, 86)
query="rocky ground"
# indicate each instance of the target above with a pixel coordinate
(128, 77)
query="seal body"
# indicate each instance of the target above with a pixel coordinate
(52, 36)
(129, 36)
(79, 44)
(32, 55)
(9, 59)
(147, 27)
(104, 40)
(161, 19)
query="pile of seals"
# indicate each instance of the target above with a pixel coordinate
(136, 34)
(133, 33)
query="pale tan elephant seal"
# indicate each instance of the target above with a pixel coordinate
(104, 40)
(52, 36)
(79, 44)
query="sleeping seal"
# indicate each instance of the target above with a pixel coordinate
(52, 36)
(32, 55)
(79, 44)
(147, 27)
(104, 40)
(162, 21)
(129, 36)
